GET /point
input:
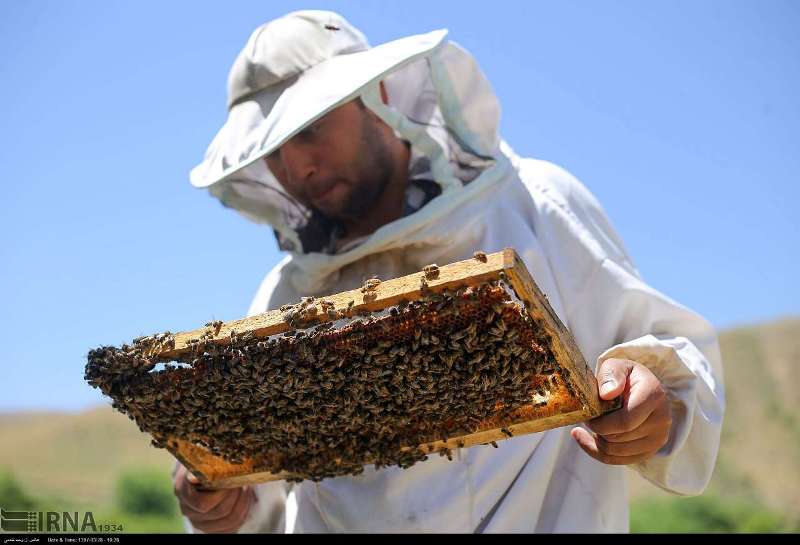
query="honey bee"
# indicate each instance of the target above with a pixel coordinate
(370, 284)
(431, 271)
(215, 324)
(480, 256)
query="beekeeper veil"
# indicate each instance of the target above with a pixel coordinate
(295, 69)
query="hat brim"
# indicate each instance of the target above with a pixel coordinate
(259, 125)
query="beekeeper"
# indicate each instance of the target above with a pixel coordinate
(380, 160)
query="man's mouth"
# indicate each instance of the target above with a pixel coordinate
(325, 193)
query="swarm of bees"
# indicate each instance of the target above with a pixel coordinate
(326, 400)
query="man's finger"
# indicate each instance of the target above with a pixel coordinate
(236, 517)
(198, 500)
(639, 433)
(612, 375)
(643, 396)
(222, 510)
(657, 423)
(588, 443)
(242, 509)
(625, 420)
(630, 448)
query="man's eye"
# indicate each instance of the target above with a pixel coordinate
(310, 130)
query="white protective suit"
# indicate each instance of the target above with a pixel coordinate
(492, 199)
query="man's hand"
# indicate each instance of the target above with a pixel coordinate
(637, 430)
(212, 511)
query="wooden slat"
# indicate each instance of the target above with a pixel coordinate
(565, 349)
(388, 293)
(563, 408)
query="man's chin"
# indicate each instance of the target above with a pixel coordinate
(334, 202)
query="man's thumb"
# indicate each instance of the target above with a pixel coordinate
(612, 376)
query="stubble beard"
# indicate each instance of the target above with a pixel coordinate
(375, 172)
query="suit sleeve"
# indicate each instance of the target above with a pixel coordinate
(613, 313)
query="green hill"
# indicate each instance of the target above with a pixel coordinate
(76, 460)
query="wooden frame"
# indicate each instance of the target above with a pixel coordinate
(565, 405)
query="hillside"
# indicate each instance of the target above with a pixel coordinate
(79, 456)
(75, 456)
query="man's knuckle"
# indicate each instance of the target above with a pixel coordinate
(202, 507)
(220, 510)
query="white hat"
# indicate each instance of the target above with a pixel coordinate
(292, 71)
(297, 68)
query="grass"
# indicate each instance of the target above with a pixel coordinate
(705, 514)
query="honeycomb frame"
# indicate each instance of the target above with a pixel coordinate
(452, 304)
(571, 399)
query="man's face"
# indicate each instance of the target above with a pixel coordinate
(338, 165)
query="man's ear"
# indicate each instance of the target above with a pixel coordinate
(384, 94)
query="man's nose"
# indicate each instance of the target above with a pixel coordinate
(299, 162)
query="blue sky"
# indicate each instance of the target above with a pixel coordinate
(682, 117)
